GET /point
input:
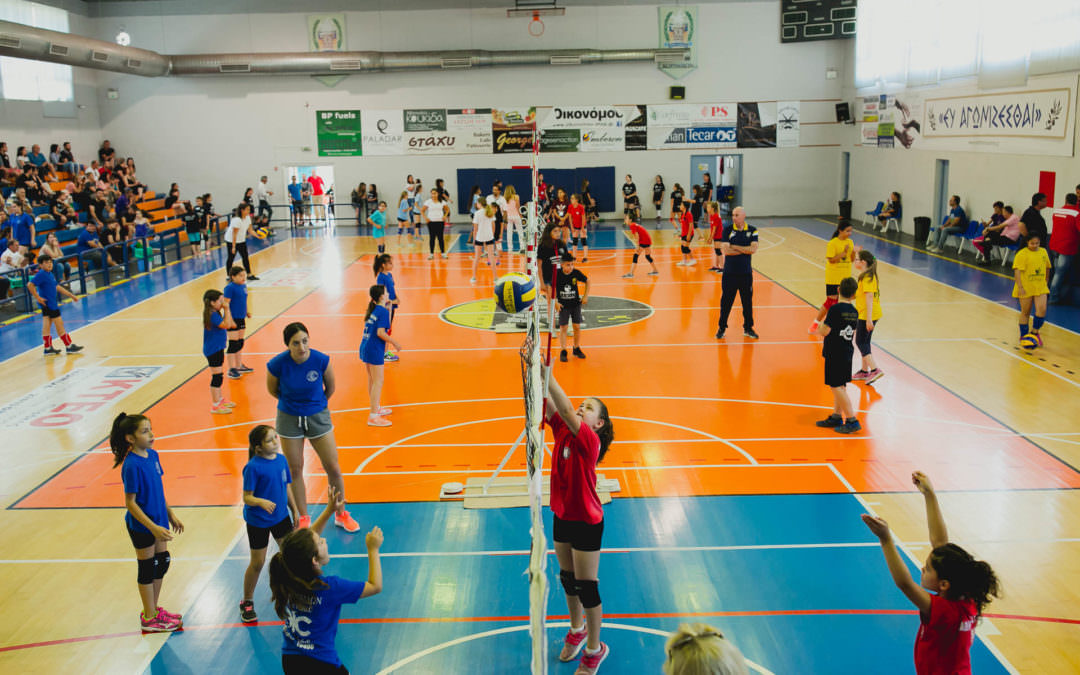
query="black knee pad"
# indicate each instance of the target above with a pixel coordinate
(146, 570)
(685, 249)
(217, 380)
(162, 559)
(589, 593)
(635, 258)
(239, 344)
(234, 346)
(569, 583)
(648, 257)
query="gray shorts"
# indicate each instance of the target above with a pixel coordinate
(311, 427)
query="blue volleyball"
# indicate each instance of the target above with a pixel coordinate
(514, 293)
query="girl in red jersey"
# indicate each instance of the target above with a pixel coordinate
(953, 590)
(716, 231)
(642, 245)
(578, 232)
(686, 235)
(582, 438)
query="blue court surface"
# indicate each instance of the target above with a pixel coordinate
(797, 582)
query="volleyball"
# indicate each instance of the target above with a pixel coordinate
(514, 293)
(1029, 342)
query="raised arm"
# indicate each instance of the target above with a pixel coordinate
(901, 576)
(334, 502)
(939, 535)
(559, 404)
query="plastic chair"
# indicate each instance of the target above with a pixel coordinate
(893, 220)
(930, 234)
(872, 215)
(1008, 252)
(970, 234)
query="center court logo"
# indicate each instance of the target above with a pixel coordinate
(601, 312)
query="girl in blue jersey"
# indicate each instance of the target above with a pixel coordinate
(236, 297)
(404, 213)
(378, 226)
(310, 602)
(269, 506)
(373, 352)
(215, 337)
(148, 516)
(384, 266)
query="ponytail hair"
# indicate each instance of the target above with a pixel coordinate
(871, 266)
(293, 579)
(375, 292)
(209, 297)
(123, 426)
(380, 260)
(256, 437)
(968, 578)
(606, 433)
(701, 649)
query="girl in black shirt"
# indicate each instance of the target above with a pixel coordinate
(676, 204)
(658, 196)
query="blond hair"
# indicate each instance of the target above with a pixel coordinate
(700, 649)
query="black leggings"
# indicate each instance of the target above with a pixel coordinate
(862, 337)
(233, 250)
(306, 665)
(435, 233)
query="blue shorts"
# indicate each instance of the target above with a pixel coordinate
(372, 358)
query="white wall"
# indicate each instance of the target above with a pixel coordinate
(221, 133)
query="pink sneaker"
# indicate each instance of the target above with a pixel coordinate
(590, 663)
(385, 411)
(874, 375)
(178, 618)
(572, 644)
(157, 624)
(378, 421)
(303, 523)
(345, 521)
(861, 375)
(220, 409)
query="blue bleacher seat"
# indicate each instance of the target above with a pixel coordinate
(7, 192)
(83, 216)
(68, 235)
(40, 210)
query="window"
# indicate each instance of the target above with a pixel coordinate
(25, 80)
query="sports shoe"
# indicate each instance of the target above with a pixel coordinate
(74, 348)
(390, 356)
(445, 256)
(227, 403)
(219, 409)
(303, 523)
(562, 356)
(719, 270)
(848, 427)
(385, 411)
(51, 351)
(681, 263)
(157, 624)
(245, 369)
(873, 376)
(585, 260)
(252, 277)
(590, 663)
(234, 374)
(472, 280)
(813, 327)
(653, 274)
(749, 332)
(345, 521)
(572, 644)
(178, 618)
(720, 333)
(831, 422)
(691, 262)
(431, 257)
(247, 612)
(578, 353)
(713, 269)
(628, 275)
(860, 375)
(378, 421)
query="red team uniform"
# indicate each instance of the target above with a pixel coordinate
(643, 238)
(943, 646)
(577, 216)
(573, 473)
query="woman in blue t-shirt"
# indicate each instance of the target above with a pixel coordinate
(310, 602)
(373, 352)
(148, 516)
(215, 336)
(302, 381)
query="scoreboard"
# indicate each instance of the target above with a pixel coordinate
(808, 20)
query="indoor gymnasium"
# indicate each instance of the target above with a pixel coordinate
(539, 336)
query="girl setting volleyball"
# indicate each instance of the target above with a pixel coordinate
(950, 595)
(269, 506)
(215, 338)
(309, 602)
(373, 352)
(150, 522)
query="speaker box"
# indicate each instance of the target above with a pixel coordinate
(677, 93)
(843, 112)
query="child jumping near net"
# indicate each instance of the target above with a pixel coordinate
(1031, 268)
(868, 304)
(569, 301)
(310, 602)
(384, 267)
(838, 329)
(373, 352)
(148, 517)
(951, 593)
(215, 337)
(839, 254)
(269, 507)
(236, 298)
(642, 245)
(377, 221)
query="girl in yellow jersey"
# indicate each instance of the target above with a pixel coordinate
(1031, 266)
(839, 254)
(867, 303)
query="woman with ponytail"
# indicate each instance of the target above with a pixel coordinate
(951, 594)
(310, 602)
(148, 516)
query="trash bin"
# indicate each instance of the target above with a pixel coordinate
(922, 228)
(845, 209)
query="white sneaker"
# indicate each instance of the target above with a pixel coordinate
(472, 280)
(430, 257)
(681, 263)
(691, 262)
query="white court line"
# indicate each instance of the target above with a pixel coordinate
(375, 454)
(808, 260)
(638, 467)
(1030, 363)
(706, 434)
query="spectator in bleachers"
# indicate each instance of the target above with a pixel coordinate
(113, 239)
(892, 209)
(28, 182)
(1064, 245)
(106, 152)
(63, 211)
(700, 649)
(21, 159)
(18, 196)
(22, 228)
(249, 198)
(93, 172)
(174, 196)
(129, 181)
(123, 203)
(54, 154)
(984, 244)
(5, 231)
(13, 258)
(956, 224)
(7, 171)
(89, 246)
(84, 194)
(36, 158)
(1032, 223)
(98, 209)
(61, 268)
(67, 160)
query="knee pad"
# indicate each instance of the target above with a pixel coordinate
(685, 249)
(146, 570)
(217, 380)
(234, 346)
(161, 566)
(569, 583)
(829, 302)
(589, 593)
(648, 257)
(635, 258)
(239, 344)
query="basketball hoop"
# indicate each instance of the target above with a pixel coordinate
(536, 26)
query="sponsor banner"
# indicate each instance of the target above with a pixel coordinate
(76, 395)
(595, 117)
(382, 132)
(437, 131)
(1037, 113)
(869, 134)
(885, 134)
(757, 125)
(636, 136)
(672, 138)
(869, 109)
(428, 119)
(678, 28)
(338, 133)
(602, 140)
(512, 129)
(560, 140)
(788, 114)
(693, 114)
